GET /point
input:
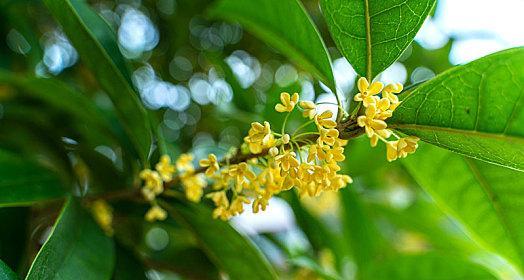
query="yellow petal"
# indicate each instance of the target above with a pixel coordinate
(362, 84)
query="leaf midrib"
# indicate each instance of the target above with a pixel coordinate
(368, 40)
(494, 203)
(481, 134)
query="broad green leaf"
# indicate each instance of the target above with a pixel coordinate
(359, 229)
(485, 198)
(23, 182)
(96, 44)
(127, 266)
(234, 254)
(284, 25)
(76, 248)
(372, 34)
(317, 231)
(6, 273)
(56, 94)
(475, 110)
(429, 266)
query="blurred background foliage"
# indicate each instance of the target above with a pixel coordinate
(204, 81)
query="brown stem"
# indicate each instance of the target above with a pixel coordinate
(347, 130)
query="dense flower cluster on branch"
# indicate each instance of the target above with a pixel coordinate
(377, 110)
(278, 161)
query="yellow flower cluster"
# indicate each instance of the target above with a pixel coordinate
(378, 109)
(103, 215)
(284, 161)
(164, 172)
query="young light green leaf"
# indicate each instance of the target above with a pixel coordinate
(475, 110)
(23, 182)
(372, 34)
(76, 249)
(284, 25)
(428, 266)
(96, 43)
(485, 198)
(6, 273)
(230, 251)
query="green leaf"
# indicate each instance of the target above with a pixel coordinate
(317, 231)
(284, 25)
(77, 248)
(6, 273)
(96, 44)
(23, 182)
(429, 266)
(475, 110)
(127, 266)
(486, 199)
(359, 229)
(13, 241)
(230, 251)
(372, 34)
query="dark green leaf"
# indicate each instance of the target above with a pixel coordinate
(96, 43)
(475, 110)
(284, 25)
(485, 198)
(372, 34)
(429, 266)
(76, 249)
(24, 182)
(233, 253)
(6, 273)
(127, 266)
(13, 240)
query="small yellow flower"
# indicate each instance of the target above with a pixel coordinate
(219, 198)
(103, 214)
(288, 102)
(369, 122)
(156, 213)
(309, 109)
(384, 133)
(287, 160)
(390, 90)
(260, 204)
(152, 181)
(391, 150)
(273, 151)
(222, 213)
(324, 120)
(327, 136)
(185, 163)
(407, 145)
(237, 205)
(259, 137)
(165, 168)
(211, 163)
(285, 138)
(194, 185)
(367, 91)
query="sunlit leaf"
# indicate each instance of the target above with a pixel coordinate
(76, 249)
(96, 43)
(485, 198)
(429, 266)
(284, 25)
(475, 110)
(372, 34)
(6, 273)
